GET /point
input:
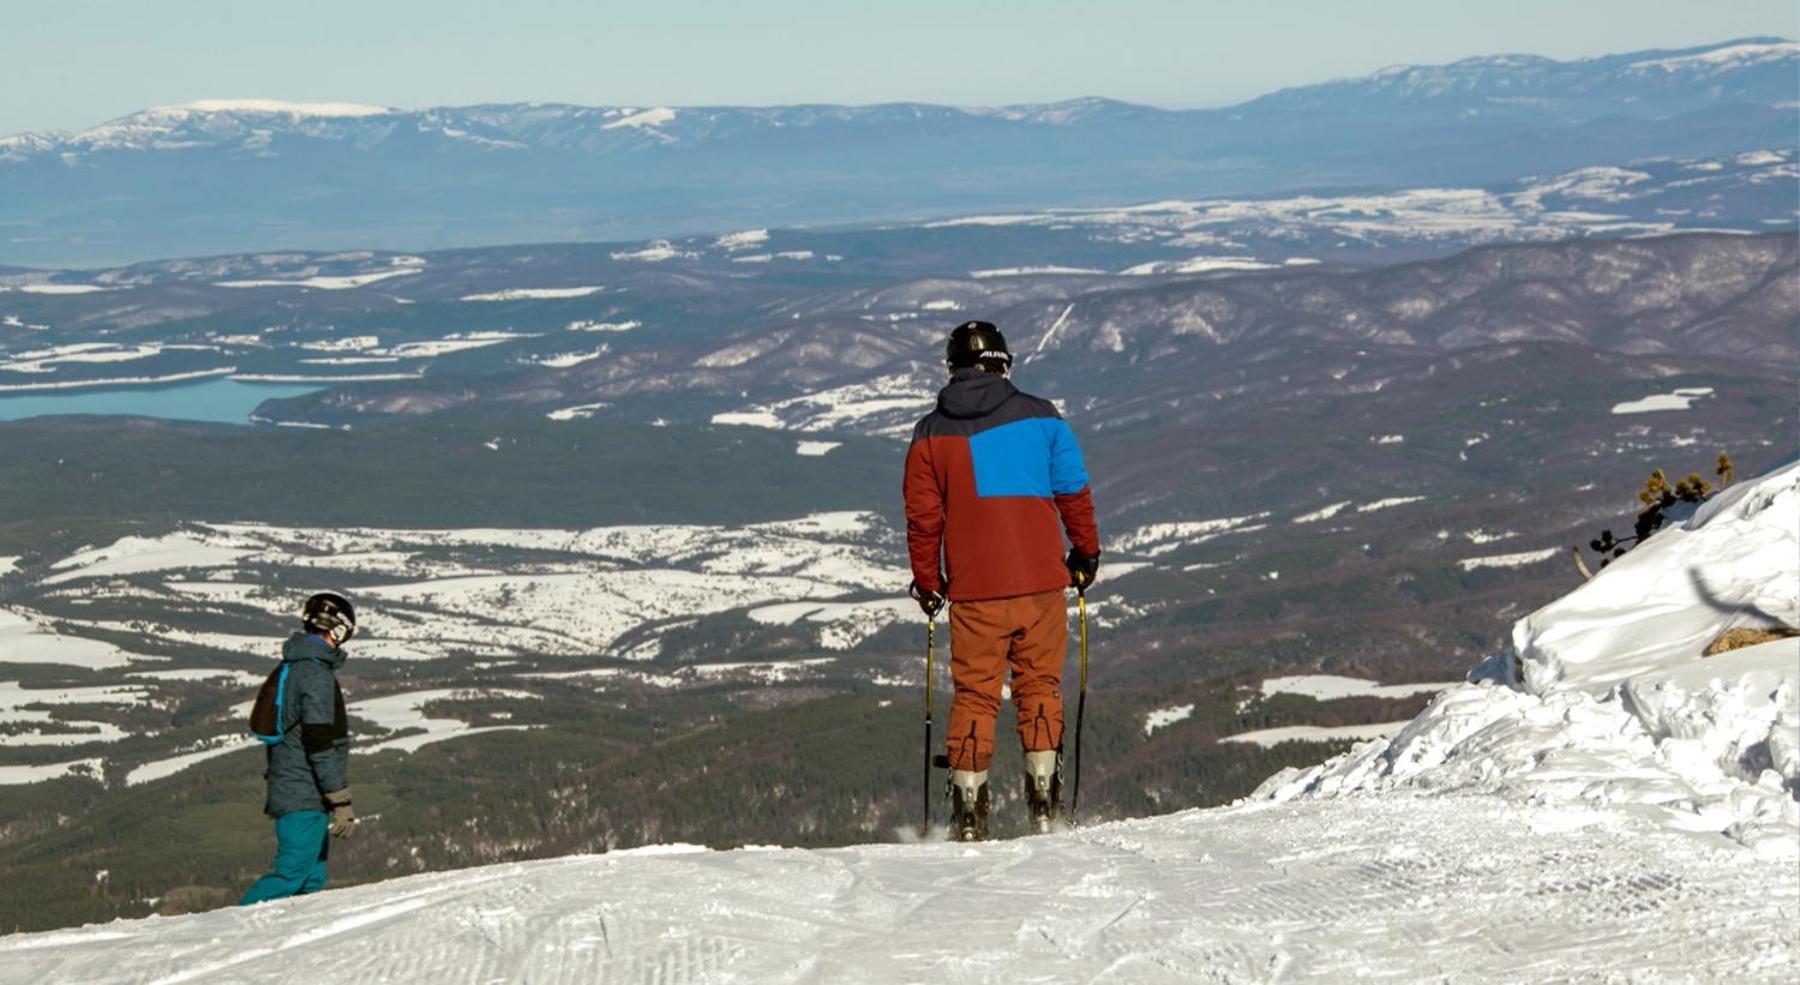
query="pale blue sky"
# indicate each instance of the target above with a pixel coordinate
(70, 64)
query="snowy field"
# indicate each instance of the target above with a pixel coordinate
(568, 597)
(889, 405)
(592, 606)
(566, 593)
(1216, 228)
(1315, 733)
(1330, 687)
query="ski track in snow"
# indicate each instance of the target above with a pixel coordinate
(1399, 887)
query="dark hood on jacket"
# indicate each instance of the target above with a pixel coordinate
(974, 393)
(305, 646)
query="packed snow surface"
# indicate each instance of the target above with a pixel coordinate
(1408, 887)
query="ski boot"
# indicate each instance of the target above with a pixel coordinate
(968, 805)
(1043, 789)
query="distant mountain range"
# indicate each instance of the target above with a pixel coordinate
(234, 175)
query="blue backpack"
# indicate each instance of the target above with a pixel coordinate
(265, 712)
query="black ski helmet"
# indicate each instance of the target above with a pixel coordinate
(331, 616)
(977, 343)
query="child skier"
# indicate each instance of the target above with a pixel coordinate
(300, 716)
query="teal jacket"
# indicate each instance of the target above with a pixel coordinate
(313, 757)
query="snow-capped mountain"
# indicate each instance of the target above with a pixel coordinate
(222, 175)
(1609, 800)
(1646, 83)
(250, 124)
(1649, 83)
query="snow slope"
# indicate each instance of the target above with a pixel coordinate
(1601, 804)
(1396, 888)
(1611, 704)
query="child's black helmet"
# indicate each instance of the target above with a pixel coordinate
(330, 615)
(977, 343)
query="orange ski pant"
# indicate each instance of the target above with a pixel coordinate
(1028, 635)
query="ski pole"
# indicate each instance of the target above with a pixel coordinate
(930, 670)
(1081, 698)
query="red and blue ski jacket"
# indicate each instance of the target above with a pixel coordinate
(994, 478)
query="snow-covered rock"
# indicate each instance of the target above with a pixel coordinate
(1606, 701)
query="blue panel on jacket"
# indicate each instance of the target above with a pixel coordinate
(1034, 457)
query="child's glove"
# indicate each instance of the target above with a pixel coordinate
(343, 819)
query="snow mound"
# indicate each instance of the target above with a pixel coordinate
(1605, 699)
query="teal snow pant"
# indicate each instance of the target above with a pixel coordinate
(302, 843)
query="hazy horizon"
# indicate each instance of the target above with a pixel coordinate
(413, 55)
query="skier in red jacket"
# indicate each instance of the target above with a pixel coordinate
(994, 480)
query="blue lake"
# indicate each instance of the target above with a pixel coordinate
(218, 400)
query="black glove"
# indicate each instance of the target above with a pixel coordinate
(1082, 569)
(930, 600)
